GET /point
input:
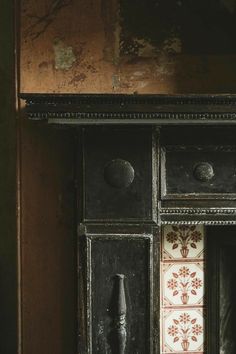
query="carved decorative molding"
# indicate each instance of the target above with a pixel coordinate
(120, 316)
(198, 211)
(199, 222)
(131, 109)
(195, 216)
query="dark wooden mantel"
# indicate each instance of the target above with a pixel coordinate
(131, 109)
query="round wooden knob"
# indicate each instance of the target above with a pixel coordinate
(203, 172)
(119, 173)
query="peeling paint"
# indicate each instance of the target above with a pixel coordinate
(78, 78)
(64, 55)
(112, 46)
(194, 27)
(146, 49)
(110, 13)
(43, 65)
(115, 82)
(165, 66)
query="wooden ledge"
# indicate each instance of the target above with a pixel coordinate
(79, 109)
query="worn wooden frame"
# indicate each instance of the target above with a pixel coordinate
(86, 236)
(131, 109)
(165, 195)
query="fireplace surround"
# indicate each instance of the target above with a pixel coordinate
(146, 163)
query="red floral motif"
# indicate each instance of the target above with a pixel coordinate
(184, 272)
(196, 283)
(184, 282)
(197, 330)
(185, 318)
(173, 331)
(172, 237)
(172, 284)
(184, 236)
(185, 329)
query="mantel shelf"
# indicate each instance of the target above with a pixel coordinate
(79, 109)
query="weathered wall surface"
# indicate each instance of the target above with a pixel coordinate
(119, 46)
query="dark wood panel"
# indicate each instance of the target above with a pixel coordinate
(120, 293)
(8, 233)
(118, 174)
(199, 172)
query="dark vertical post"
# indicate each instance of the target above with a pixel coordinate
(8, 243)
(120, 321)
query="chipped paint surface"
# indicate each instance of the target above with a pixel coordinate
(112, 46)
(64, 55)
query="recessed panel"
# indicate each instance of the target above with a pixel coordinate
(120, 294)
(199, 172)
(118, 174)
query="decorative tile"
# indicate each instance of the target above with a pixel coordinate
(183, 331)
(182, 242)
(182, 289)
(182, 284)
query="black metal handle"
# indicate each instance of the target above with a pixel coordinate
(203, 172)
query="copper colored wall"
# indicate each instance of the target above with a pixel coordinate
(120, 46)
(48, 247)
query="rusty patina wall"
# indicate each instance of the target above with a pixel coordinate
(119, 46)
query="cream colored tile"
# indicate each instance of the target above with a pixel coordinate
(182, 284)
(182, 242)
(182, 331)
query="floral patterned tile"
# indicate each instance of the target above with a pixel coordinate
(182, 284)
(182, 331)
(182, 242)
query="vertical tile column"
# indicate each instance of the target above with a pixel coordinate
(182, 289)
